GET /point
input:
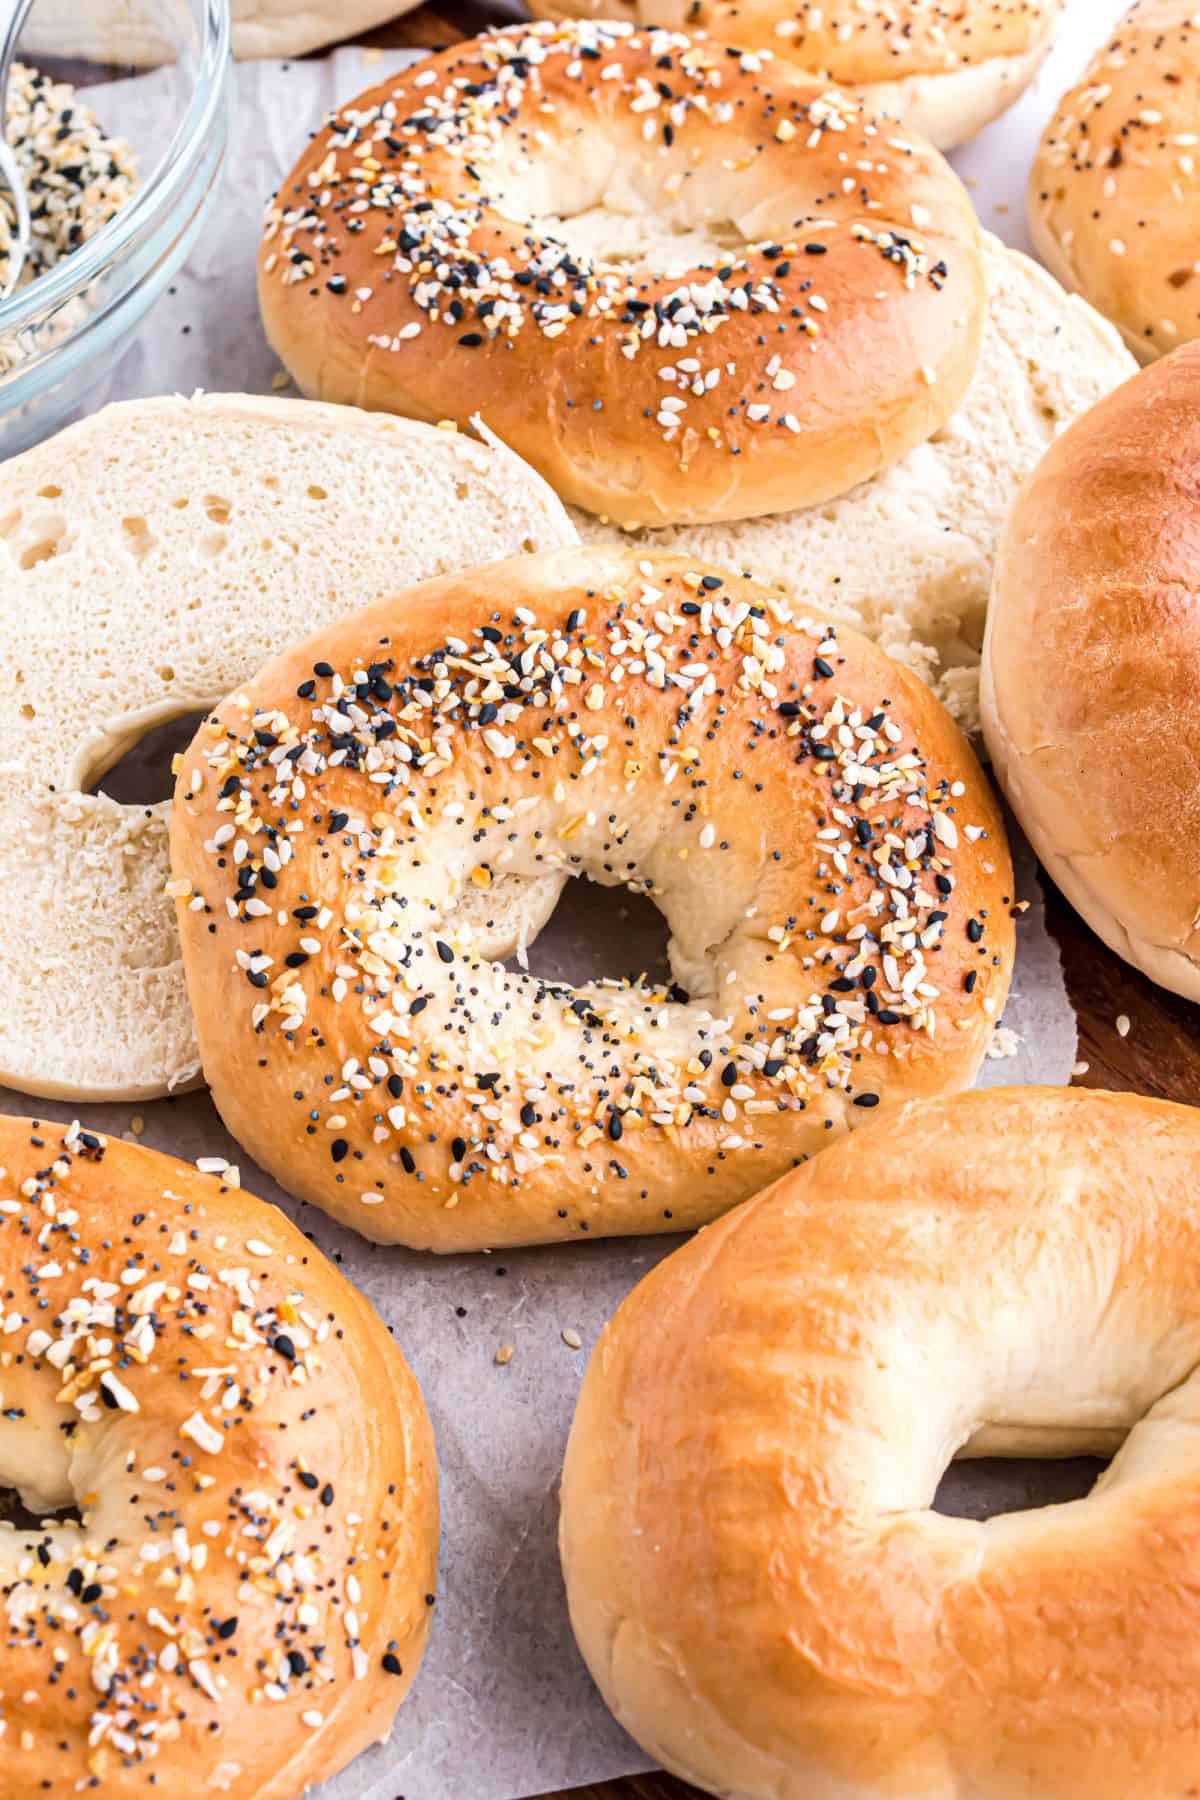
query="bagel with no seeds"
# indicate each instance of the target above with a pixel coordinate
(685, 283)
(244, 1595)
(150, 557)
(1091, 668)
(126, 31)
(1114, 193)
(946, 67)
(824, 847)
(756, 1578)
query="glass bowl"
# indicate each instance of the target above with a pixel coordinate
(64, 330)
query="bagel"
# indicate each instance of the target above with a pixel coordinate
(755, 1577)
(824, 847)
(150, 558)
(244, 1594)
(946, 67)
(1114, 193)
(1091, 670)
(127, 32)
(550, 223)
(907, 558)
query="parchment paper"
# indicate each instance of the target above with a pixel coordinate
(503, 1706)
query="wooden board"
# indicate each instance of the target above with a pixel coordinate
(1156, 1052)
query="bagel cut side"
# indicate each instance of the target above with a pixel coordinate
(756, 1577)
(150, 558)
(946, 68)
(244, 1593)
(824, 847)
(685, 283)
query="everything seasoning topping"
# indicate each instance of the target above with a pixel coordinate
(75, 177)
(582, 738)
(424, 186)
(1117, 176)
(872, 40)
(164, 1374)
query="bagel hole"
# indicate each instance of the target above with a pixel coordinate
(599, 933)
(984, 1487)
(14, 1512)
(619, 239)
(143, 777)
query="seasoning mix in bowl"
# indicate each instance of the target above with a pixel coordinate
(119, 169)
(76, 176)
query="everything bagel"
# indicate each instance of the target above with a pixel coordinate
(812, 824)
(245, 1595)
(151, 557)
(946, 67)
(1114, 204)
(755, 1575)
(683, 282)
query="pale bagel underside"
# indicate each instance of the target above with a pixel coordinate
(150, 558)
(129, 32)
(755, 1575)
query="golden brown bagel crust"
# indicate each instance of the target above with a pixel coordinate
(1114, 193)
(754, 1576)
(248, 1596)
(823, 844)
(947, 67)
(1091, 673)
(411, 264)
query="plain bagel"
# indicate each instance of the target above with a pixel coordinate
(150, 558)
(825, 849)
(685, 283)
(755, 1575)
(1114, 193)
(245, 1593)
(116, 32)
(946, 67)
(1091, 671)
